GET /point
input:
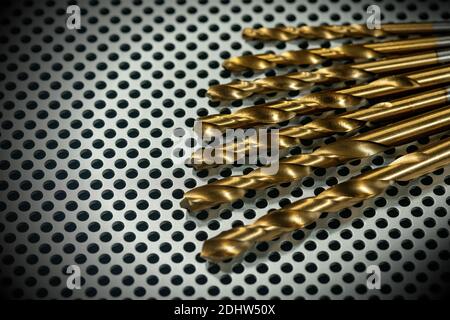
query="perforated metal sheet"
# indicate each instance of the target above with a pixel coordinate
(88, 176)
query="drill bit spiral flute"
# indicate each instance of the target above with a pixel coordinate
(343, 31)
(285, 109)
(364, 51)
(240, 89)
(302, 213)
(296, 167)
(347, 122)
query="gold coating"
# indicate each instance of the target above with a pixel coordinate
(296, 167)
(365, 51)
(344, 123)
(287, 109)
(335, 31)
(302, 213)
(241, 89)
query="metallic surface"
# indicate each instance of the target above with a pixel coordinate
(241, 89)
(346, 122)
(284, 110)
(261, 62)
(443, 56)
(299, 166)
(342, 31)
(141, 68)
(302, 213)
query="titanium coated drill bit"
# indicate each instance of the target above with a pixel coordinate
(241, 89)
(287, 109)
(296, 167)
(302, 213)
(364, 51)
(343, 31)
(343, 123)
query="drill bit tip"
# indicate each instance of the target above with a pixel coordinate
(209, 196)
(261, 62)
(223, 250)
(241, 89)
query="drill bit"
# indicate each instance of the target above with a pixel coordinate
(240, 89)
(365, 51)
(302, 213)
(287, 109)
(343, 31)
(344, 123)
(296, 167)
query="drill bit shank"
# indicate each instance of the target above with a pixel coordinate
(285, 109)
(343, 31)
(240, 89)
(364, 51)
(302, 213)
(296, 167)
(344, 123)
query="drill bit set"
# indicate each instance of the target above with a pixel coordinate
(410, 81)
(302, 213)
(302, 80)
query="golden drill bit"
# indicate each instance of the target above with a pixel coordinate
(241, 89)
(344, 123)
(302, 213)
(365, 51)
(296, 167)
(343, 31)
(287, 109)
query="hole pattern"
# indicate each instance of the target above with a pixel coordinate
(88, 176)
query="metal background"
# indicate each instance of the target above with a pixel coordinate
(88, 176)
